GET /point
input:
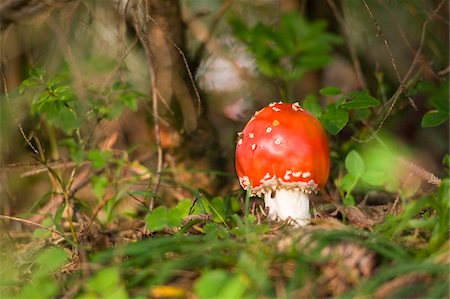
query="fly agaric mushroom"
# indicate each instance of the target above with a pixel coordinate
(283, 154)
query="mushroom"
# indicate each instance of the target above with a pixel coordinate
(283, 154)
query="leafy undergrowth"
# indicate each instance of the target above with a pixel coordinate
(217, 253)
(111, 188)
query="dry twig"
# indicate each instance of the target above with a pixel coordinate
(185, 61)
(393, 100)
(19, 125)
(154, 92)
(6, 217)
(391, 55)
(214, 23)
(351, 48)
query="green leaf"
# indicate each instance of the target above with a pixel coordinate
(434, 118)
(162, 217)
(56, 103)
(174, 217)
(219, 284)
(76, 152)
(311, 104)
(354, 164)
(99, 184)
(99, 158)
(290, 49)
(51, 259)
(210, 283)
(184, 206)
(106, 283)
(215, 230)
(441, 103)
(446, 160)
(359, 100)
(373, 177)
(27, 83)
(349, 200)
(129, 100)
(218, 209)
(37, 73)
(347, 182)
(63, 118)
(42, 233)
(361, 114)
(334, 119)
(330, 91)
(392, 183)
(157, 219)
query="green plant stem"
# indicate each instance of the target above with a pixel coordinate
(53, 143)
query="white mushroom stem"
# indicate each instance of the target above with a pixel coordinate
(288, 204)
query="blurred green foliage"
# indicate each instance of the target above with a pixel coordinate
(214, 240)
(40, 281)
(438, 95)
(290, 49)
(106, 283)
(354, 165)
(53, 99)
(336, 115)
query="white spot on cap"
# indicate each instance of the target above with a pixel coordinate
(278, 141)
(256, 113)
(272, 104)
(253, 146)
(251, 135)
(287, 176)
(276, 109)
(296, 174)
(239, 138)
(244, 181)
(268, 130)
(312, 183)
(296, 106)
(306, 174)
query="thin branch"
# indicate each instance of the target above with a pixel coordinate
(391, 55)
(38, 170)
(98, 208)
(214, 23)
(185, 61)
(83, 179)
(351, 48)
(393, 100)
(404, 37)
(399, 27)
(156, 127)
(6, 217)
(69, 56)
(157, 131)
(19, 125)
(106, 83)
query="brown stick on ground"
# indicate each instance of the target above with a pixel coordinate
(6, 217)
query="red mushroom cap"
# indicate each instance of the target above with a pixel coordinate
(282, 146)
